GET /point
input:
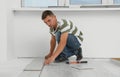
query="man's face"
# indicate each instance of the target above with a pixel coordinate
(51, 21)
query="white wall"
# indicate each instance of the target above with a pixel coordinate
(100, 28)
(23, 34)
(10, 30)
(3, 32)
(31, 35)
(6, 31)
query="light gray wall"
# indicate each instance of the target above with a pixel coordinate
(3, 31)
(100, 28)
(10, 30)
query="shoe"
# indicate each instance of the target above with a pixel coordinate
(61, 59)
(79, 55)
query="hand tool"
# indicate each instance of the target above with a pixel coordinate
(75, 62)
(82, 68)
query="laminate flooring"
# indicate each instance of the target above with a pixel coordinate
(94, 68)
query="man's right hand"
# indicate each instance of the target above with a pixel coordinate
(48, 56)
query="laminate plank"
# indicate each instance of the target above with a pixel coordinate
(29, 74)
(94, 68)
(35, 65)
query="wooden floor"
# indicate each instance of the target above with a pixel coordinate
(94, 68)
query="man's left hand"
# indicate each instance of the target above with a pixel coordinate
(49, 60)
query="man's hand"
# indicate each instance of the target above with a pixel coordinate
(48, 56)
(49, 60)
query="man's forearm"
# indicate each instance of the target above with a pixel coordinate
(52, 45)
(59, 49)
(61, 45)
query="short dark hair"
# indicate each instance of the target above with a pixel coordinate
(46, 13)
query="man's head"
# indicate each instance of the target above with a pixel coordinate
(49, 18)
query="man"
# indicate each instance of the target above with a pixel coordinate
(66, 34)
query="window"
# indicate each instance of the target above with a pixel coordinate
(116, 1)
(39, 3)
(78, 2)
(69, 3)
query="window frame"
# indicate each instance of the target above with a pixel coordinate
(23, 6)
(70, 2)
(104, 4)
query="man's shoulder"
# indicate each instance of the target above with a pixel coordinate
(64, 22)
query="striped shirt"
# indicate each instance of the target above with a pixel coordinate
(67, 26)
